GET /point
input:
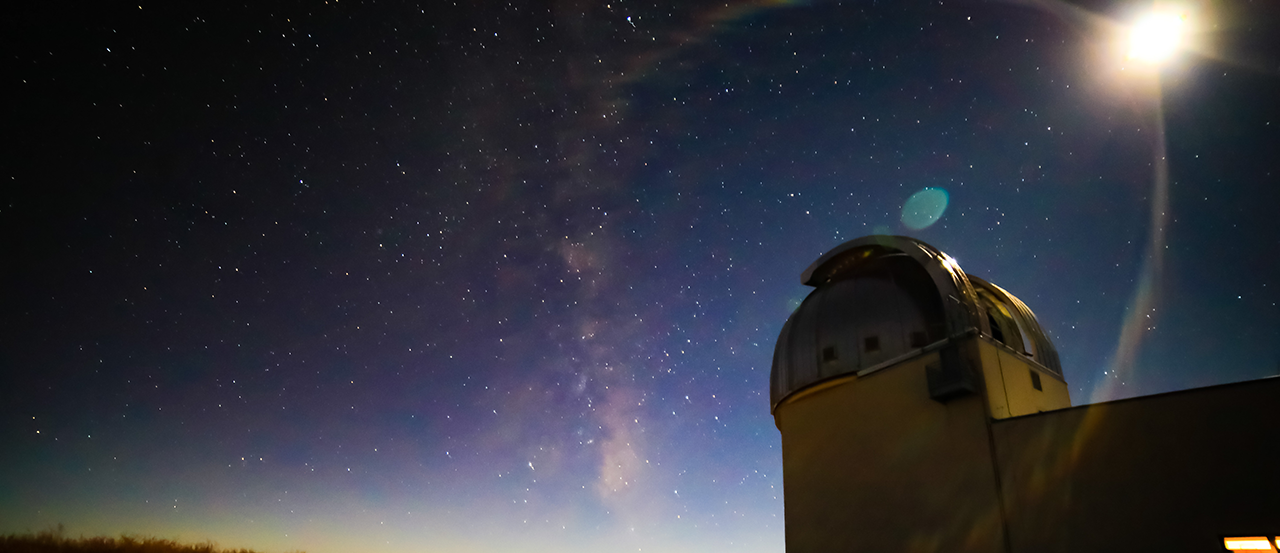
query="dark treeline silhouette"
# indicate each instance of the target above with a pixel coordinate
(53, 541)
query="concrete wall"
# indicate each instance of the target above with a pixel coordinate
(1169, 473)
(873, 464)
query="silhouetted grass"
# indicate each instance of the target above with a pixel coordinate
(52, 541)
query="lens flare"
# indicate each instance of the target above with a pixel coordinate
(1141, 317)
(924, 208)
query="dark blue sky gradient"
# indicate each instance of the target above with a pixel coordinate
(389, 276)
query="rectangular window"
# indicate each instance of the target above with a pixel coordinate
(871, 344)
(828, 354)
(1260, 543)
(1035, 380)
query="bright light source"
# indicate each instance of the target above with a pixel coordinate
(1156, 37)
(1248, 544)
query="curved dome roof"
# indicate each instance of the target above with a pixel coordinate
(878, 300)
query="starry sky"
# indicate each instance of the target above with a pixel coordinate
(394, 276)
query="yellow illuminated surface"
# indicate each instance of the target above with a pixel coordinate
(1156, 36)
(1248, 544)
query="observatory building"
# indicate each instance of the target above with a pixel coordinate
(924, 409)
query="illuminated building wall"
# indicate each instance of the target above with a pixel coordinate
(922, 409)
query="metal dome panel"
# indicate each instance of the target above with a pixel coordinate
(880, 298)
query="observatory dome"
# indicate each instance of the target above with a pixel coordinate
(880, 300)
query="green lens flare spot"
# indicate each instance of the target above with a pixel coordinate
(924, 208)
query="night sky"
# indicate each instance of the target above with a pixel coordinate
(387, 276)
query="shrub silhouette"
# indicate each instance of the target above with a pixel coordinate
(52, 541)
